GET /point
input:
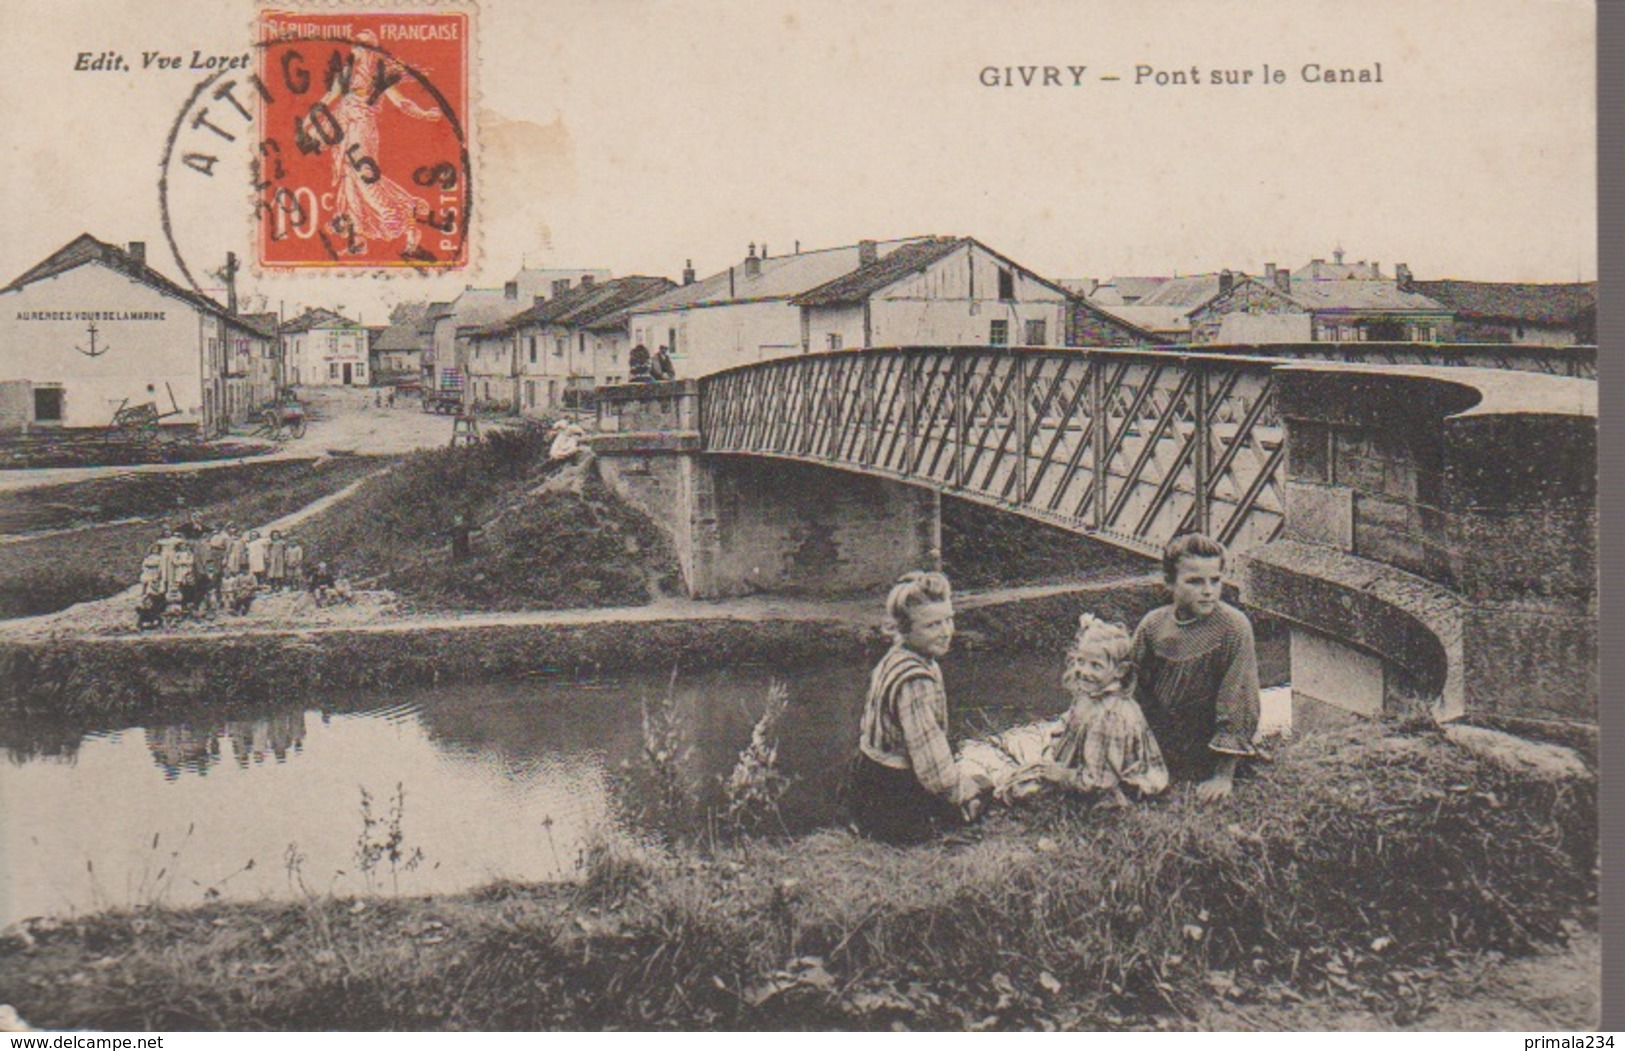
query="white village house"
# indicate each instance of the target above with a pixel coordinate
(486, 372)
(931, 291)
(324, 349)
(92, 328)
(951, 291)
(565, 346)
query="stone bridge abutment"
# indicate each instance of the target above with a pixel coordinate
(744, 524)
(1440, 542)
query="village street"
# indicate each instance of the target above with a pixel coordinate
(342, 421)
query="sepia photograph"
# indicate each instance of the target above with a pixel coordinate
(706, 515)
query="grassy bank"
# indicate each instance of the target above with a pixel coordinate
(154, 495)
(93, 447)
(535, 545)
(1367, 868)
(49, 573)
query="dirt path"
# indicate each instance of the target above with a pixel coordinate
(378, 611)
(341, 419)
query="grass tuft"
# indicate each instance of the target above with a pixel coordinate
(1363, 866)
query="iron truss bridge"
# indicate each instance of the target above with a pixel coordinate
(1130, 446)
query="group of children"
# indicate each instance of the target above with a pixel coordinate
(1176, 699)
(193, 570)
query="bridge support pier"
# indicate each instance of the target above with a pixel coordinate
(743, 524)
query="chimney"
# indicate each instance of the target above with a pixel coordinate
(138, 252)
(560, 286)
(753, 265)
(798, 248)
(510, 290)
(764, 249)
(1337, 256)
(688, 271)
(1227, 281)
(867, 252)
(1402, 275)
(1283, 280)
(586, 280)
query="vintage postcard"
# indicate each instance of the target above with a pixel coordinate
(696, 514)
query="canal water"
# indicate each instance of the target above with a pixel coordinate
(480, 782)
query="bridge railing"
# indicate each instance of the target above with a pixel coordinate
(1578, 361)
(1133, 446)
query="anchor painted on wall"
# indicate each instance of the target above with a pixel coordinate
(94, 351)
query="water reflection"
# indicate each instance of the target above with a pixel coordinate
(496, 781)
(194, 748)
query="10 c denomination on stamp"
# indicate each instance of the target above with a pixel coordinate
(362, 159)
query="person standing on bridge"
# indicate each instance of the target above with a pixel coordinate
(637, 363)
(661, 367)
(904, 784)
(1198, 670)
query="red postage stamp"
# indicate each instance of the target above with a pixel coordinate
(364, 157)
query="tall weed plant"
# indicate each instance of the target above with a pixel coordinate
(666, 749)
(756, 786)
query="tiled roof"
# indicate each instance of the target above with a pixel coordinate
(614, 297)
(403, 336)
(1360, 295)
(781, 277)
(318, 317)
(1158, 320)
(1125, 291)
(585, 305)
(1188, 292)
(1554, 304)
(87, 249)
(544, 312)
(264, 324)
(1114, 317)
(860, 284)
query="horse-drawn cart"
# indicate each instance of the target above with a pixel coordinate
(139, 423)
(283, 420)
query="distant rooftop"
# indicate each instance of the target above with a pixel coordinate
(318, 317)
(1541, 304)
(780, 277)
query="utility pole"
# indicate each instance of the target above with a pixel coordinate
(230, 274)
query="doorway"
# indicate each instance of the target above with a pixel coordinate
(47, 404)
(348, 377)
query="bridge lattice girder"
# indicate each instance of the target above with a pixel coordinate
(1130, 446)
